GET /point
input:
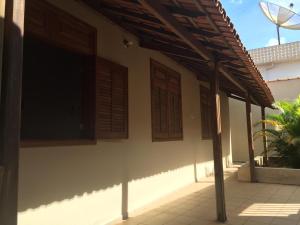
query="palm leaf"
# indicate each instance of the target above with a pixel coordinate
(269, 133)
(283, 133)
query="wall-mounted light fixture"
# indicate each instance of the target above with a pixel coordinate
(127, 43)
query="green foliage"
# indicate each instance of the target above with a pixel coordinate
(283, 132)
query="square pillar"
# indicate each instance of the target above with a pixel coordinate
(250, 138)
(217, 144)
(10, 110)
(263, 117)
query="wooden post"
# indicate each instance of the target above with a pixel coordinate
(250, 138)
(2, 8)
(10, 108)
(263, 117)
(217, 145)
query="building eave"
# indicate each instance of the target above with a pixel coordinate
(196, 34)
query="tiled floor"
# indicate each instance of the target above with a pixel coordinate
(246, 203)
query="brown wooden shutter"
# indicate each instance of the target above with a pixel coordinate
(111, 100)
(205, 105)
(175, 113)
(53, 25)
(159, 103)
(165, 103)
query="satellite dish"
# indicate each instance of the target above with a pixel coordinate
(281, 16)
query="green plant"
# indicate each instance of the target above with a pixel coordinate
(283, 133)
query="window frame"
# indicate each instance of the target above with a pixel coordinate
(120, 73)
(87, 119)
(168, 73)
(89, 48)
(205, 112)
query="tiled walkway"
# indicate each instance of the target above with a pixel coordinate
(249, 204)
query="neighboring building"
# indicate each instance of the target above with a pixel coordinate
(278, 62)
(280, 67)
(116, 110)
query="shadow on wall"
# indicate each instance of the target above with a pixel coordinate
(50, 175)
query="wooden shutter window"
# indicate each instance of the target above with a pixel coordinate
(111, 100)
(205, 105)
(53, 25)
(165, 103)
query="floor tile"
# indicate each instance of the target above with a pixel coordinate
(246, 204)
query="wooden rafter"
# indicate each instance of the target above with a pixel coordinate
(229, 76)
(145, 26)
(171, 50)
(162, 13)
(237, 97)
(202, 32)
(183, 12)
(122, 11)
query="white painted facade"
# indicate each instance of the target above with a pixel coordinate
(278, 71)
(278, 62)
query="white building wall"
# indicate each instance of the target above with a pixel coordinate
(239, 136)
(284, 70)
(285, 89)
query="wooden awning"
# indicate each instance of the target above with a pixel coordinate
(196, 34)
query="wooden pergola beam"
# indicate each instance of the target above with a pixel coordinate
(250, 139)
(10, 110)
